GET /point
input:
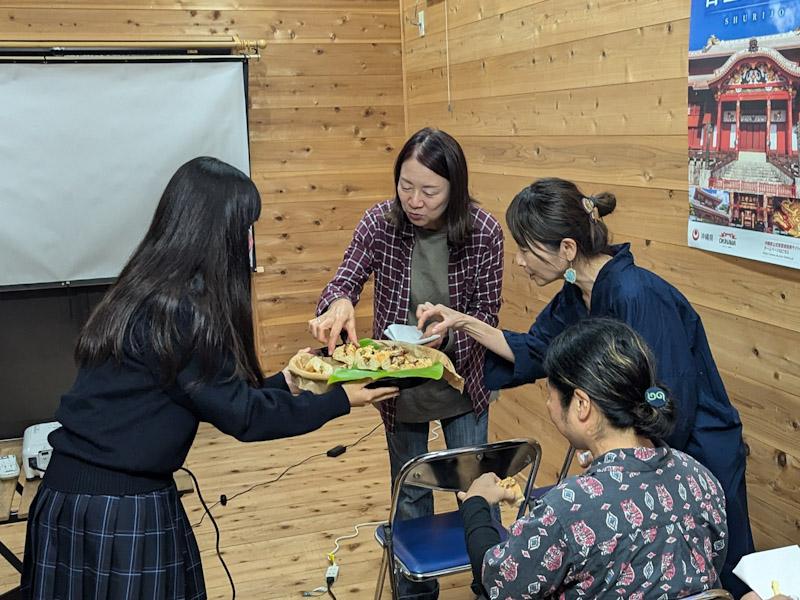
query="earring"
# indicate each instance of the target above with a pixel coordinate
(570, 275)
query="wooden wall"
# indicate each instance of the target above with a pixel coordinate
(591, 90)
(595, 91)
(326, 117)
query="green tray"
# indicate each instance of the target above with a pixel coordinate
(341, 375)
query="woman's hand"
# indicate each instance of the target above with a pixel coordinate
(360, 395)
(327, 327)
(486, 487)
(446, 318)
(429, 332)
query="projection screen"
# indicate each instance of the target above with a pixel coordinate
(86, 149)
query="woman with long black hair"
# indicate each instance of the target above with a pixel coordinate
(171, 344)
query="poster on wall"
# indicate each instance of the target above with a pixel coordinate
(744, 171)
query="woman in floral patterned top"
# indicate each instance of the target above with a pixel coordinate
(644, 521)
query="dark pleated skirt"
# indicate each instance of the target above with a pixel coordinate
(93, 547)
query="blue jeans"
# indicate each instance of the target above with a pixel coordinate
(410, 440)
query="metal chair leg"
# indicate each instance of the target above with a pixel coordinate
(391, 562)
(562, 474)
(382, 575)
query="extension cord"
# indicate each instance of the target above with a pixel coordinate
(332, 574)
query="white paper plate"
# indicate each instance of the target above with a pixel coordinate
(407, 333)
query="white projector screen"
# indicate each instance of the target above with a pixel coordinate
(87, 148)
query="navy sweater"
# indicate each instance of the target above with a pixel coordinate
(124, 433)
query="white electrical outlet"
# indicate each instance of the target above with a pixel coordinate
(9, 468)
(421, 23)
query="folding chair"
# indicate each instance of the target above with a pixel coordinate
(433, 546)
(537, 493)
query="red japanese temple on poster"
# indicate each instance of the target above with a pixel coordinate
(743, 114)
(706, 207)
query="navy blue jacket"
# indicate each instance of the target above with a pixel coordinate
(654, 309)
(125, 432)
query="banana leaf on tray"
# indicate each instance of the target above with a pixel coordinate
(442, 368)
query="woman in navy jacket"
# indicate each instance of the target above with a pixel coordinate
(560, 233)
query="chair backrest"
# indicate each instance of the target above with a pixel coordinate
(711, 595)
(532, 493)
(455, 470)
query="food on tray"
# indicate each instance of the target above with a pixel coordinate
(316, 365)
(394, 358)
(346, 354)
(381, 358)
(312, 367)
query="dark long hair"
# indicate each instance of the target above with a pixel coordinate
(186, 289)
(612, 364)
(550, 210)
(441, 153)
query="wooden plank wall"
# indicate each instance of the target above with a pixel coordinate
(590, 90)
(326, 117)
(595, 91)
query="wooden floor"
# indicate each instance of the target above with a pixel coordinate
(275, 538)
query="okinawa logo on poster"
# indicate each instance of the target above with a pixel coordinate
(744, 124)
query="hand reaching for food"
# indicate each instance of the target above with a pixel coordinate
(328, 327)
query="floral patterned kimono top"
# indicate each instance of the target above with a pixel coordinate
(640, 523)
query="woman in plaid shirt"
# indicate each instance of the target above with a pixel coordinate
(430, 243)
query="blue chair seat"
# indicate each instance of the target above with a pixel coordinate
(539, 492)
(432, 545)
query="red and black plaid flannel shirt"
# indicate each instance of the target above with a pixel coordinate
(475, 276)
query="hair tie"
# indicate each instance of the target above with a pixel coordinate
(656, 397)
(590, 208)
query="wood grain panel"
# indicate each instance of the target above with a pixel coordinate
(645, 54)
(294, 278)
(282, 308)
(560, 21)
(323, 154)
(664, 211)
(321, 216)
(326, 122)
(622, 160)
(462, 12)
(363, 91)
(62, 9)
(606, 110)
(331, 59)
(330, 186)
(492, 36)
(275, 26)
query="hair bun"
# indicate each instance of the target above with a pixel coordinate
(605, 202)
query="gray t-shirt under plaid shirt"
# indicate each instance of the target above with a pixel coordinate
(435, 399)
(475, 273)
